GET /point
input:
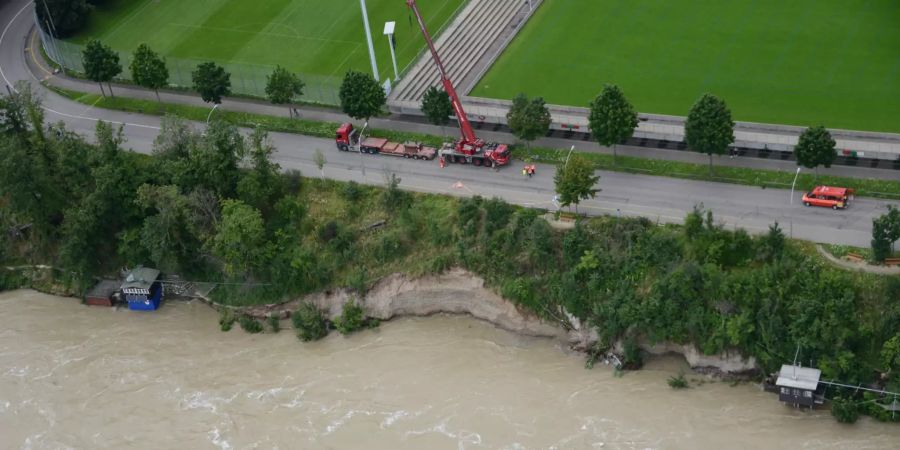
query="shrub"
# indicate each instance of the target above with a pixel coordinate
(329, 231)
(390, 246)
(678, 381)
(310, 322)
(10, 280)
(845, 410)
(226, 319)
(352, 192)
(496, 214)
(632, 359)
(359, 281)
(353, 319)
(250, 325)
(393, 198)
(274, 323)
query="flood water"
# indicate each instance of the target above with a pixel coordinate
(73, 376)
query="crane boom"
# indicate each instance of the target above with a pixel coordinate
(468, 134)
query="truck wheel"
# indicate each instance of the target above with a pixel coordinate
(834, 207)
(406, 156)
(478, 162)
(805, 203)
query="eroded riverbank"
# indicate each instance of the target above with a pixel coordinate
(100, 378)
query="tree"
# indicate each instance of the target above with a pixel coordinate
(64, 17)
(815, 148)
(212, 82)
(240, 237)
(528, 119)
(881, 243)
(319, 158)
(262, 185)
(167, 234)
(892, 218)
(213, 163)
(772, 243)
(148, 69)
(437, 107)
(709, 128)
(575, 181)
(101, 63)
(282, 87)
(361, 96)
(612, 118)
(885, 232)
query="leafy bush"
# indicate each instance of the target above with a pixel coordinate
(678, 381)
(359, 281)
(328, 231)
(12, 279)
(274, 323)
(310, 322)
(353, 319)
(390, 246)
(352, 192)
(250, 325)
(226, 319)
(393, 198)
(632, 359)
(845, 410)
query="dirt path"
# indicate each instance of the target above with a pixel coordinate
(860, 266)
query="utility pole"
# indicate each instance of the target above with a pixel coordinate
(365, 15)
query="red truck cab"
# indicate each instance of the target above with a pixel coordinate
(345, 137)
(829, 197)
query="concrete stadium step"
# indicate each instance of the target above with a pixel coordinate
(460, 45)
(471, 47)
(447, 39)
(461, 59)
(481, 13)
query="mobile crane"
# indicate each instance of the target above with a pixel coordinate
(470, 149)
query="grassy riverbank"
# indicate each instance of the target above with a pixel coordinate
(674, 169)
(214, 207)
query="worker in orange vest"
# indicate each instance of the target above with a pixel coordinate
(442, 161)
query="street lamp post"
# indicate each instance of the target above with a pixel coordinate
(365, 15)
(794, 184)
(209, 116)
(791, 217)
(389, 32)
(567, 157)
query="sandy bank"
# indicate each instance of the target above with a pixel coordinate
(461, 292)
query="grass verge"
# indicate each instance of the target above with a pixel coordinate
(763, 178)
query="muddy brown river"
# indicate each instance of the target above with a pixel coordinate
(73, 376)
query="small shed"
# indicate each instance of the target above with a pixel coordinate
(797, 385)
(102, 293)
(142, 289)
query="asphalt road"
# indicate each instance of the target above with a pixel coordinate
(658, 198)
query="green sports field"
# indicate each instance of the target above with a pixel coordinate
(803, 62)
(321, 37)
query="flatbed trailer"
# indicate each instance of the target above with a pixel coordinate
(348, 139)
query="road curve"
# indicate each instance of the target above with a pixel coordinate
(658, 198)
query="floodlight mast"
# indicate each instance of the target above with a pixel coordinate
(468, 134)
